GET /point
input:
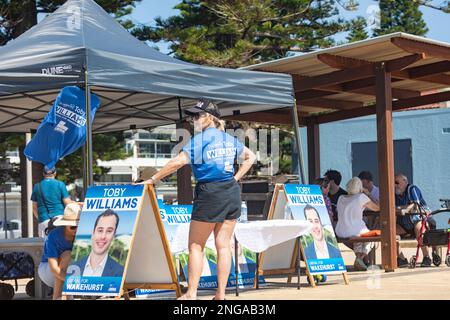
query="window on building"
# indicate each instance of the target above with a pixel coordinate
(365, 158)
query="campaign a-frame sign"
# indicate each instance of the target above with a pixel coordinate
(120, 244)
(319, 248)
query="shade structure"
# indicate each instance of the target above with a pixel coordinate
(137, 85)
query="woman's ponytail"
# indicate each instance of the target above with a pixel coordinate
(219, 124)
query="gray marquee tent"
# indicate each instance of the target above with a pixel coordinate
(80, 44)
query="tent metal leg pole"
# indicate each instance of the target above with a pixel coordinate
(295, 123)
(88, 180)
(29, 192)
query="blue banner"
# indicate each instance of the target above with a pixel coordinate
(63, 130)
(320, 247)
(103, 286)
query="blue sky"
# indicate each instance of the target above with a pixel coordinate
(438, 22)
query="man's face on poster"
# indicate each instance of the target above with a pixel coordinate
(103, 234)
(313, 217)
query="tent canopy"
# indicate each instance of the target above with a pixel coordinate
(137, 85)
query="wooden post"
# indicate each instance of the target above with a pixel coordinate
(184, 185)
(37, 171)
(385, 147)
(313, 151)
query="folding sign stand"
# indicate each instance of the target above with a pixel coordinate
(149, 263)
(283, 258)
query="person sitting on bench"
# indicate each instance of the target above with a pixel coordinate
(407, 197)
(351, 223)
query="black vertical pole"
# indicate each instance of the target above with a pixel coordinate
(88, 176)
(295, 123)
(5, 223)
(236, 264)
(298, 263)
(257, 271)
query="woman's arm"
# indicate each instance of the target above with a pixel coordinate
(56, 270)
(249, 159)
(369, 195)
(372, 206)
(173, 165)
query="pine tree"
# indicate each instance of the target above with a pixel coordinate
(400, 16)
(358, 30)
(234, 33)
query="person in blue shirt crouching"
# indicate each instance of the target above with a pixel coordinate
(58, 248)
(217, 201)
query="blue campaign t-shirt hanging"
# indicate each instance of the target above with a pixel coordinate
(63, 130)
(212, 153)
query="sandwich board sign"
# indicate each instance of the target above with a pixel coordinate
(176, 220)
(319, 248)
(120, 244)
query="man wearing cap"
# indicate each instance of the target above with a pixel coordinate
(57, 249)
(49, 198)
(217, 202)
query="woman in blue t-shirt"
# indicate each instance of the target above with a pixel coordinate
(57, 249)
(217, 202)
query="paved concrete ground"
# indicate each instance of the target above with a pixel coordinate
(405, 283)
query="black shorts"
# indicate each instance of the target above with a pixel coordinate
(217, 201)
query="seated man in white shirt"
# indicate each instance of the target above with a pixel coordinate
(99, 263)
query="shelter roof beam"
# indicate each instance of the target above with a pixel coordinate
(412, 46)
(397, 105)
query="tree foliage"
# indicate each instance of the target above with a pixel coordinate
(234, 33)
(358, 30)
(400, 16)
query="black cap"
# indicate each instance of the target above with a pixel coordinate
(204, 105)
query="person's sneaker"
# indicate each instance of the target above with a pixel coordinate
(426, 262)
(402, 262)
(359, 265)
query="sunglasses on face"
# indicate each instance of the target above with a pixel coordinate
(198, 115)
(73, 228)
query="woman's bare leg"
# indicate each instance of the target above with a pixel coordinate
(222, 233)
(198, 235)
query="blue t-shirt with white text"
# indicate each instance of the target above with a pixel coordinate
(212, 154)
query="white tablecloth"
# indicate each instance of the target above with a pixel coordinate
(256, 236)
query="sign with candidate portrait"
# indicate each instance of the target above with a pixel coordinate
(319, 247)
(119, 243)
(176, 219)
